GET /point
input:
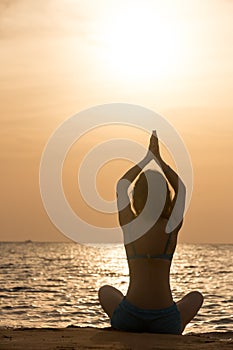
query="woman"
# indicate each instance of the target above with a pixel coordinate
(148, 305)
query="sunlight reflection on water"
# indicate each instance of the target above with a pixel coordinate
(56, 284)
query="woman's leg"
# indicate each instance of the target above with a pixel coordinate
(109, 298)
(189, 306)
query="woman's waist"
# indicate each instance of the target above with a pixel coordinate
(156, 270)
(148, 284)
(150, 297)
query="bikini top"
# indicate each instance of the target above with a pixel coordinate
(164, 255)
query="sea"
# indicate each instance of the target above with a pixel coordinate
(56, 284)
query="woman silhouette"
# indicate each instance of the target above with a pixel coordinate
(148, 305)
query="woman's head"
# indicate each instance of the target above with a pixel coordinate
(159, 191)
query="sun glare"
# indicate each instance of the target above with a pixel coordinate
(141, 43)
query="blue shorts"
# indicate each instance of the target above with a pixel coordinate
(127, 317)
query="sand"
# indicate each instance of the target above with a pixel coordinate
(73, 338)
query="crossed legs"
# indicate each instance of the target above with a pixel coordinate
(189, 306)
(110, 297)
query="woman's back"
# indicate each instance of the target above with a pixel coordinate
(155, 243)
(149, 260)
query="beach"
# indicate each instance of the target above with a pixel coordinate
(81, 338)
(55, 285)
(49, 298)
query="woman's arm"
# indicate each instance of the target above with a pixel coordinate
(170, 174)
(178, 202)
(123, 202)
(173, 178)
(132, 173)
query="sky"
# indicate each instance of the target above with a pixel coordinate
(61, 57)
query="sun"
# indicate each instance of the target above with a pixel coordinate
(141, 43)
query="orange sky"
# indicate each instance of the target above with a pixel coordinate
(60, 57)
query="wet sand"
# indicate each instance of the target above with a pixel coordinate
(73, 338)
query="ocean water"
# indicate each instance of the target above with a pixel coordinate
(56, 284)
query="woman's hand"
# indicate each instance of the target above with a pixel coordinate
(154, 145)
